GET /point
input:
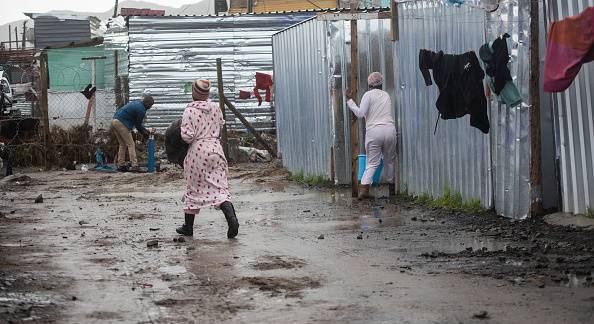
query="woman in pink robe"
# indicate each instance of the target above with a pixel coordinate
(205, 166)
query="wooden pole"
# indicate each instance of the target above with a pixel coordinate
(24, 38)
(91, 103)
(16, 37)
(395, 30)
(249, 127)
(224, 138)
(9, 38)
(43, 105)
(354, 85)
(115, 9)
(119, 101)
(536, 208)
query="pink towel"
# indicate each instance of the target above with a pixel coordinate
(570, 44)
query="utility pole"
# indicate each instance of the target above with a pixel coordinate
(115, 9)
(354, 85)
(535, 141)
(9, 38)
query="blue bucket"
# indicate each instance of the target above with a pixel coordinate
(378, 172)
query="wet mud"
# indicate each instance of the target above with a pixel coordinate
(102, 248)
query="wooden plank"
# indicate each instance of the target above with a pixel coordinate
(90, 105)
(94, 58)
(43, 105)
(394, 28)
(354, 87)
(224, 137)
(249, 127)
(536, 208)
(119, 100)
(336, 16)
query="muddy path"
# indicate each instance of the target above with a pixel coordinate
(87, 254)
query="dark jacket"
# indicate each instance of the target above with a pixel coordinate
(496, 58)
(175, 147)
(132, 115)
(460, 82)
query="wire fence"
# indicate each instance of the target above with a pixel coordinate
(63, 121)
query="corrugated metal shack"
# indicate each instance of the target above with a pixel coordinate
(312, 116)
(61, 30)
(166, 53)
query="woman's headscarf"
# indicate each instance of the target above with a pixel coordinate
(375, 79)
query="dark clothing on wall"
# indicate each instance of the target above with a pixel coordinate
(460, 82)
(496, 62)
(495, 55)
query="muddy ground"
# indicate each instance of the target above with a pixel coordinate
(304, 255)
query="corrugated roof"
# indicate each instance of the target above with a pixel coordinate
(324, 10)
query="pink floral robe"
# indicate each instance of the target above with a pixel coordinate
(205, 166)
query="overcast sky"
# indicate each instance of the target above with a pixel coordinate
(13, 10)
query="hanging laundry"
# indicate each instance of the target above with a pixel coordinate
(460, 82)
(244, 95)
(89, 91)
(263, 82)
(495, 55)
(570, 44)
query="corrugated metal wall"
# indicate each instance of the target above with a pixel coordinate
(168, 52)
(510, 127)
(574, 123)
(458, 155)
(302, 99)
(116, 40)
(52, 31)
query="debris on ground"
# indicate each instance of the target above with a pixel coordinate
(321, 237)
(152, 243)
(481, 315)
(15, 178)
(39, 199)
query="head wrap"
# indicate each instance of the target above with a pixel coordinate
(375, 79)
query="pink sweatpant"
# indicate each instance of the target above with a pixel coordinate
(380, 141)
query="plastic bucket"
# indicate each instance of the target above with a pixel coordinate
(378, 172)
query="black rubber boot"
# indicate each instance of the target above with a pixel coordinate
(229, 211)
(188, 228)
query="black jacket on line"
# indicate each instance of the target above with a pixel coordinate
(496, 62)
(460, 82)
